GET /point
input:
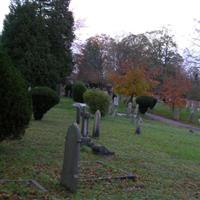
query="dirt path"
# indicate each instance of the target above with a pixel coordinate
(172, 122)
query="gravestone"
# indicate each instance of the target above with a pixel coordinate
(135, 113)
(115, 103)
(96, 126)
(139, 123)
(137, 120)
(85, 123)
(80, 107)
(78, 115)
(70, 171)
(129, 109)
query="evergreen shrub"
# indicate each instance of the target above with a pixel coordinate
(78, 90)
(43, 98)
(145, 102)
(97, 100)
(15, 101)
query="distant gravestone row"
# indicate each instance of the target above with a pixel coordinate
(82, 115)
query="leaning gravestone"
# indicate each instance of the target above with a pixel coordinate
(70, 171)
(96, 127)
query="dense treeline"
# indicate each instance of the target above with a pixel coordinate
(35, 50)
(37, 35)
(143, 64)
(102, 55)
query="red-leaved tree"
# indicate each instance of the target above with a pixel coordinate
(174, 89)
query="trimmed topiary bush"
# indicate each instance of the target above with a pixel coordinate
(97, 100)
(43, 98)
(15, 101)
(145, 102)
(78, 90)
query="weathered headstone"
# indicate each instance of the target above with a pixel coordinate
(80, 107)
(85, 123)
(139, 123)
(70, 171)
(78, 115)
(135, 113)
(129, 109)
(116, 104)
(96, 126)
(137, 120)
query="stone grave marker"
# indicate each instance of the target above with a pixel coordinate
(70, 171)
(137, 120)
(129, 109)
(85, 123)
(80, 107)
(96, 126)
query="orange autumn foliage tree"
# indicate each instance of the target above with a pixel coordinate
(135, 81)
(175, 88)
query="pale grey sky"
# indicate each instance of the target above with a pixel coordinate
(117, 17)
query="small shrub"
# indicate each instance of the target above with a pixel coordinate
(15, 101)
(145, 102)
(43, 98)
(78, 90)
(97, 100)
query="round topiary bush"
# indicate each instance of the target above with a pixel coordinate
(78, 90)
(97, 100)
(145, 102)
(15, 101)
(43, 98)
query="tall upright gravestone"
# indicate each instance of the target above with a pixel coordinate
(70, 171)
(85, 124)
(96, 127)
(80, 108)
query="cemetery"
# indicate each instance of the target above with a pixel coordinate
(160, 162)
(106, 117)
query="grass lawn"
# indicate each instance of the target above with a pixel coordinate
(165, 110)
(166, 160)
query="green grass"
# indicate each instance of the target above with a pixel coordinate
(164, 110)
(166, 160)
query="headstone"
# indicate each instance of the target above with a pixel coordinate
(85, 123)
(135, 113)
(115, 103)
(70, 171)
(78, 115)
(137, 120)
(129, 109)
(96, 127)
(80, 107)
(139, 123)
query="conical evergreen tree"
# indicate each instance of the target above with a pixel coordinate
(38, 39)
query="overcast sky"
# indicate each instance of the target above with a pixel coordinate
(116, 17)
